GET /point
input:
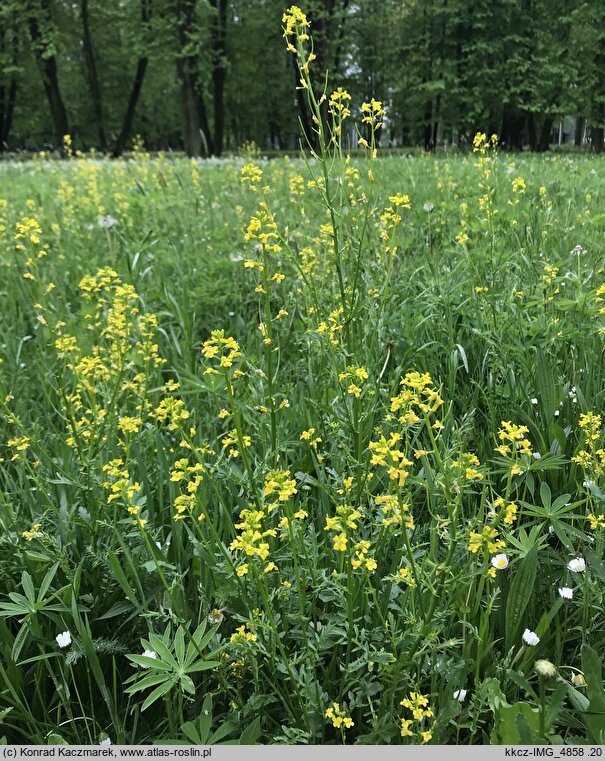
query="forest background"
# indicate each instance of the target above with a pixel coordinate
(208, 76)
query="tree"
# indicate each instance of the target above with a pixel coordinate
(43, 35)
(137, 83)
(9, 64)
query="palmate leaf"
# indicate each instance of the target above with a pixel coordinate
(151, 680)
(151, 663)
(158, 693)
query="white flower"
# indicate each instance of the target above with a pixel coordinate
(460, 695)
(107, 221)
(566, 593)
(577, 251)
(536, 455)
(105, 741)
(530, 638)
(63, 639)
(500, 562)
(534, 400)
(149, 654)
(577, 565)
(428, 207)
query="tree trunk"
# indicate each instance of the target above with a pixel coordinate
(203, 122)
(192, 139)
(50, 76)
(8, 95)
(512, 129)
(597, 135)
(186, 67)
(135, 91)
(93, 78)
(428, 126)
(544, 141)
(8, 99)
(219, 71)
(579, 130)
(532, 132)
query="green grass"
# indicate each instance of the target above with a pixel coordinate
(465, 297)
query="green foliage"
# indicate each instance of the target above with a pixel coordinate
(228, 554)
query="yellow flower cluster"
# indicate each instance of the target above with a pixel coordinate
(345, 520)
(506, 511)
(231, 442)
(466, 466)
(488, 539)
(596, 521)
(251, 176)
(518, 445)
(361, 557)
(121, 487)
(192, 476)
(482, 144)
(591, 457)
(418, 704)
(278, 482)
(263, 227)
(338, 104)
(387, 454)
(550, 274)
(338, 717)
(295, 22)
(225, 349)
(19, 444)
(29, 243)
(418, 395)
(119, 362)
(243, 634)
(395, 512)
(251, 539)
(32, 533)
(309, 436)
(172, 411)
(356, 375)
(333, 327)
(372, 113)
(391, 216)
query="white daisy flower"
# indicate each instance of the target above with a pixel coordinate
(63, 639)
(500, 562)
(577, 565)
(530, 638)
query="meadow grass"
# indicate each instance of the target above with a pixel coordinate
(302, 450)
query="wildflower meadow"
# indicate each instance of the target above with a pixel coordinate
(303, 450)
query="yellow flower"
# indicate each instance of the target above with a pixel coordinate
(354, 390)
(340, 542)
(34, 530)
(338, 718)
